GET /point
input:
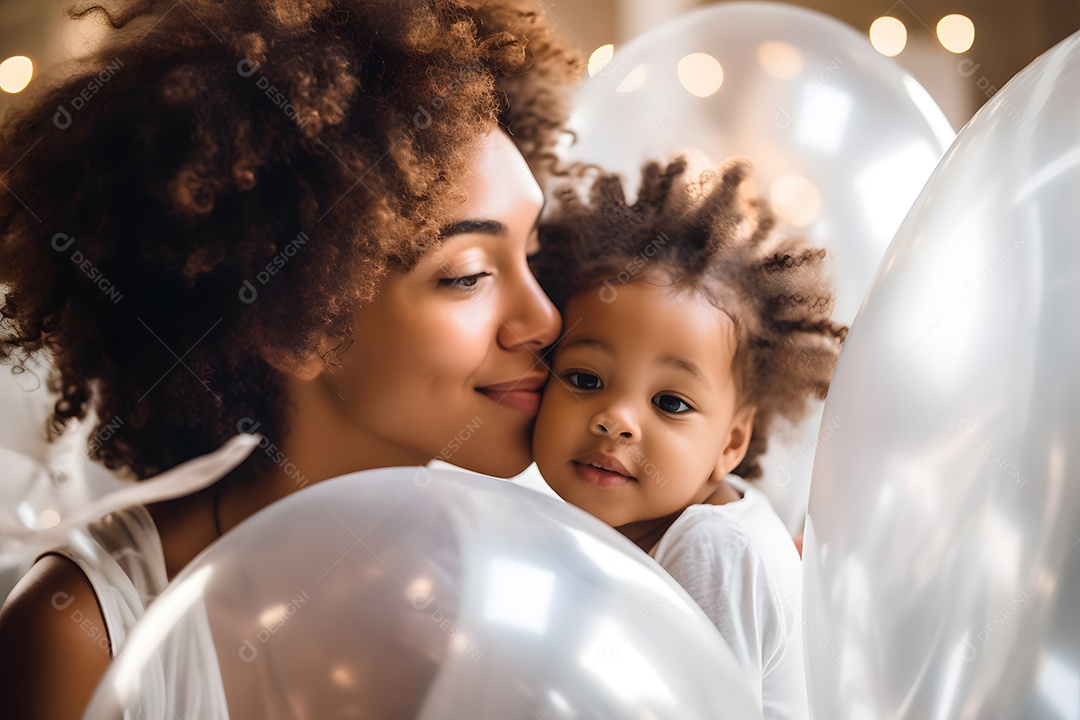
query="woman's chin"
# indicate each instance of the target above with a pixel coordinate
(499, 463)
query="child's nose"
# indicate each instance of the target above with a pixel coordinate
(615, 423)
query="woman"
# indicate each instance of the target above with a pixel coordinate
(305, 218)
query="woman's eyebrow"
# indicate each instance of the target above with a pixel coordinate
(470, 227)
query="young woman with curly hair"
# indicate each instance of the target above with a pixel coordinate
(691, 328)
(305, 218)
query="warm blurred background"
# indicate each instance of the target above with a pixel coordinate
(961, 60)
(962, 51)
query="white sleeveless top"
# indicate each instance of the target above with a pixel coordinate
(121, 555)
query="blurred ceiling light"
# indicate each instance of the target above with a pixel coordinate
(779, 59)
(956, 33)
(600, 57)
(49, 519)
(15, 73)
(888, 36)
(701, 74)
(633, 80)
(795, 199)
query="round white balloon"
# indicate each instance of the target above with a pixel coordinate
(424, 593)
(942, 570)
(842, 140)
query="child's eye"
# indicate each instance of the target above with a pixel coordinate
(465, 282)
(584, 380)
(671, 404)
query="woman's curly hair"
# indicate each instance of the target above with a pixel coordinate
(705, 235)
(226, 180)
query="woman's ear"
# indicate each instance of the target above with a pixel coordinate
(306, 369)
(738, 440)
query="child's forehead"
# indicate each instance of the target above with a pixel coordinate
(643, 295)
(659, 315)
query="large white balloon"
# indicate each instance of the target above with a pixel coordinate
(424, 593)
(942, 568)
(842, 140)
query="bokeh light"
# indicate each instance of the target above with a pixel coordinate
(779, 59)
(15, 73)
(49, 518)
(600, 57)
(956, 33)
(701, 74)
(888, 36)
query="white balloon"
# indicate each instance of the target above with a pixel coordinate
(426, 593)
(842, 139)
(941, 561)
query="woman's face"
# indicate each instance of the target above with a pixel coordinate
(445, 361)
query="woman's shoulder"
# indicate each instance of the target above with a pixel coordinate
(56, 647)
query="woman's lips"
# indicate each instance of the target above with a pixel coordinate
(525, 400)
(523, 394)
(610, 473)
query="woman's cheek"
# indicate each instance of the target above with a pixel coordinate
(459, 334)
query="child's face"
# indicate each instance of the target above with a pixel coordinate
(642, 386)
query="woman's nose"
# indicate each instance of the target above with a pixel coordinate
(530, 320)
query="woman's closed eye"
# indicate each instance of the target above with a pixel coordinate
(671, 404)
(463, 282)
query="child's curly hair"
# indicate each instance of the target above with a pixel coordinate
(705, 235)
(225, 181)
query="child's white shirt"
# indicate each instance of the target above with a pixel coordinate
(738, 562)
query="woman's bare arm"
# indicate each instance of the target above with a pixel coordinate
(53, 644)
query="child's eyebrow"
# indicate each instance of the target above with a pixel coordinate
(590, 342)
(684, 365)
(671, 360)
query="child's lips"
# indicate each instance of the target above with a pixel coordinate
(602, 470)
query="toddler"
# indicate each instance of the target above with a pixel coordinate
(689, 330)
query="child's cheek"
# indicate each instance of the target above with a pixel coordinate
(543, 415)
